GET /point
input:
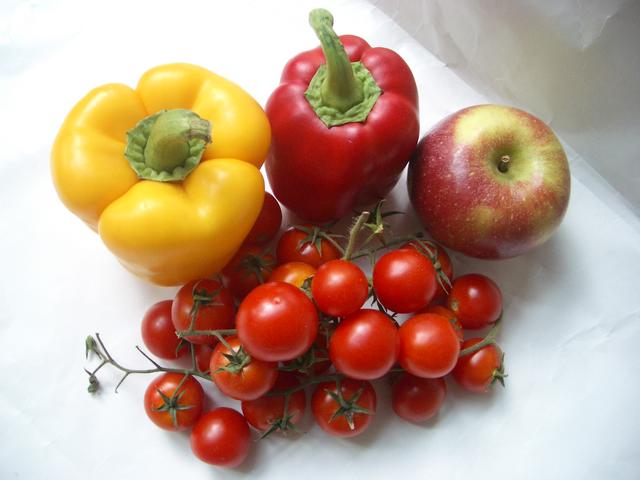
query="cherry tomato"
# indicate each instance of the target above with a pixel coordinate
(449, 315)
(211, 305)
(203, 357)
(365, 345)
(477, 371)
(443, 266)
(354, 412)
(221, 437)
(429, 346)
(159, 334)
(297, 246)
(294, 273)
(248, 268)
(417, 399)
(266, 413)
(267, 224)
(241, 380)
(339, 288)
(404, 280)
(171, 408)
(277, 322)
(476, 300)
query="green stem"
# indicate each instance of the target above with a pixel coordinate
(188, 333)
(328, 238)
(390, 243)
(106, 358)
(311, 381)
(222, 340)
(192, 351)
(167, 145)
(489, 339)
(353, 234)
(340, 88)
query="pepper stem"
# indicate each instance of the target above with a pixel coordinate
(167, 145)
(340, 89)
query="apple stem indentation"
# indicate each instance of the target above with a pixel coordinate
(503, 165)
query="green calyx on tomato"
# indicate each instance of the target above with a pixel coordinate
(341, 91)
(257, 265)
(202, 305)
(499, 374)
(347, 408)
(249, 267)
(284, 423)
(308, 362)
(237, 360)
(479, 370)
(174, 400)
(306, 287)
(171, 404)
(376, 223)
(202, 298)
(308, 244)
(282, 409)
(315, 236)
(239, 376)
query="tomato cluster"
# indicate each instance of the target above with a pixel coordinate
(271, 328)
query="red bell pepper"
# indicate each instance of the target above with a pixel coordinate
(342, 131)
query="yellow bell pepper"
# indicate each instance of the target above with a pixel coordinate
(168, 173)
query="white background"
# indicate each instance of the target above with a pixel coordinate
(572, 309)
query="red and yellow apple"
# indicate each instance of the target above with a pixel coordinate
(490, 181)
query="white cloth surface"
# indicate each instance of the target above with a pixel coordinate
(572, 309)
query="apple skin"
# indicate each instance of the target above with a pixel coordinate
(468, 204)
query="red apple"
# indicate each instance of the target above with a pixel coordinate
(490, 181)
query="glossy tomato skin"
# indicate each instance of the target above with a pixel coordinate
(429, 346)
(417, 399)
(475, 371)
(277, 322)
(159, 334)
(267, 224)
(249, 267)
(293, 247)
(365, 345)
(203, 357)
(449, 315)
(324, 406)
(294, 273)
(263, 411)
(167, 383)
(221, 437)
(254, 380)
(443, 266)
(404, 280)
(218, 315)
(476, 300)
(339, 288)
